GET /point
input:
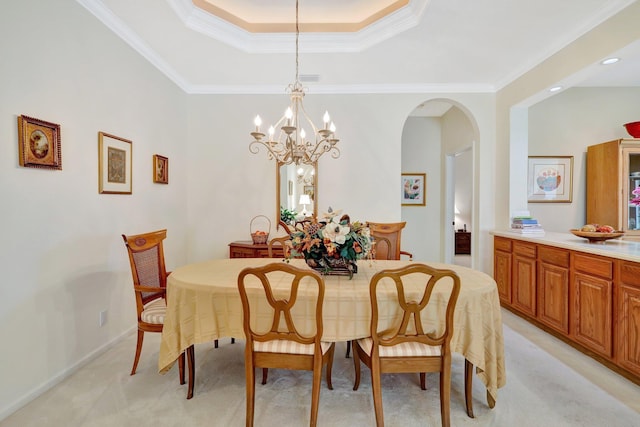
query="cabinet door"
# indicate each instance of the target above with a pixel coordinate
(628, 316)
(592, 313)
(553, 296)
(524, 284)
(502, 275)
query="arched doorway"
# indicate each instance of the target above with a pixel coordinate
(439, 138)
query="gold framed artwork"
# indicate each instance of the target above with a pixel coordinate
(550, 179)
(160, 169)
(39, 143)
(114, 164)
(413, 189)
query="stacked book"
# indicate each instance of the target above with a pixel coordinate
(526, 225)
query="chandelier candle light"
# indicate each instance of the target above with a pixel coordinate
(292, 145)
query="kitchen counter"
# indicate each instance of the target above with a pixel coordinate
(628, 250)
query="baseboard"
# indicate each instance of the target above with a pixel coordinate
(61, 376)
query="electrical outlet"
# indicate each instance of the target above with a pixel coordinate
(103, 317)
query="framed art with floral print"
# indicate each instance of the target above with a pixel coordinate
(114, 164)
(39, 143)
(160, 169)
(413, 189)
(550, 179)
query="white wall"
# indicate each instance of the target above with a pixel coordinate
(62, 257)
(228, 185)
(565, 125)
(421, 153)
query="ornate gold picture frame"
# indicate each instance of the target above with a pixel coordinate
(39, 143)
(114, 164)
(160, 169)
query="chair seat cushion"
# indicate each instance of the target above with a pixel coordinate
(154, 312)
(287, 346)
(407, 349)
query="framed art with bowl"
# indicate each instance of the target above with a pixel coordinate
(550, 179)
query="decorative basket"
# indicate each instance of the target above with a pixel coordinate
(259, 237)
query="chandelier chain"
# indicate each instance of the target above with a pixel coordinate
(297, 40)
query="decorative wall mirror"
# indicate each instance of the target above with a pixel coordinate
(297, 189)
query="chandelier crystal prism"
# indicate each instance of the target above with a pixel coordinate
(292, 144)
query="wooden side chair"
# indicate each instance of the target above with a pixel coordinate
(283, 242)
(280, 344)
(410, 346)
(146, 257)
(388, 237)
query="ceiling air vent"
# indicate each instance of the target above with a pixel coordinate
(309, 77)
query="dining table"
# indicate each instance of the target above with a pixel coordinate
(203, 304)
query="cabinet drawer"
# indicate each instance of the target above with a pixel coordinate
(593, 265)
(559, 257)
(524, 249)
(630, 273)
(502, 244)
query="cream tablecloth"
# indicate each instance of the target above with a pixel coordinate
(204, 305)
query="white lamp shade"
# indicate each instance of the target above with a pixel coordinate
(305, 199)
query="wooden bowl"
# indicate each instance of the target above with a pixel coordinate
(596, 237)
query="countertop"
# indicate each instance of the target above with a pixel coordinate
(615, 248)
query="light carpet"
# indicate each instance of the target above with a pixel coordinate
(548, 384)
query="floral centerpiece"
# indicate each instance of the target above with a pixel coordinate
(333, 244)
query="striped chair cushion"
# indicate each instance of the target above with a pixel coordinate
(286, 346)
(407, 349)
(154, 312)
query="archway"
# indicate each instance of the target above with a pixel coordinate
(437, 135)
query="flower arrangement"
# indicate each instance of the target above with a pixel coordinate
(636, 200)
(333, 244)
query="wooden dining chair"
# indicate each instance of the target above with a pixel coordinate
(146, 257)
(283, 242)
(280, 344)
(386, 245)
(388, 237)
(409, 345)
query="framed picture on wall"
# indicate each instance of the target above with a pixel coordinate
(160, 169)
(414, 189)
(39, 143)
(550, 179)
(114, 164)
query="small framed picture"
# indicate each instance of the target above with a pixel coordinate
(39, 143)
(550, 179)
(414, 189)
(309, 191)
(160, 169)
(114, 164)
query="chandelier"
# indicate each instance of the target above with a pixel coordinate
(292, 144)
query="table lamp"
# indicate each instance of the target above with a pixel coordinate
(304, 201)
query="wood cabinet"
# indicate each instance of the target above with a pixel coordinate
(502, 268)
(628, 314)
(524, 277)
(590, 301)
(247, 249)
(592, 311)
(463, 243)
(613, 172)
(553, 288)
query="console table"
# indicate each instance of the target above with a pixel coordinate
(247, 249)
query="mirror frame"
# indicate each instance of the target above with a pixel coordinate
(315, 191)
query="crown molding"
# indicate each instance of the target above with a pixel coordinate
(404, 88)
(219, 29)
(115, 24)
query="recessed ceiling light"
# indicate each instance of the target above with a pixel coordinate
(555, 88)
(609, 61)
